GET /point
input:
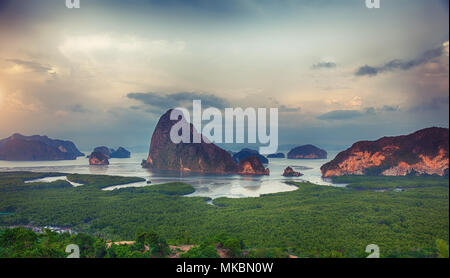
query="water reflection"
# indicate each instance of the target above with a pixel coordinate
(98, 169)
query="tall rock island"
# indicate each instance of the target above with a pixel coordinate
(201, 157)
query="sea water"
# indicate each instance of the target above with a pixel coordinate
(213, 186)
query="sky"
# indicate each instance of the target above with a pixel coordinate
(338, 72)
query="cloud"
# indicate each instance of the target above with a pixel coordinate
(432, 104)
(159, 102)
(324, 65)
(88, 45)
(340, 115)
(77, 108)
(285, 109)
(356, 101)
(33, 66)
(398, 64)
(389, 108)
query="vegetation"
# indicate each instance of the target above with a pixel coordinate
(268, 253)
(442, 248)
(383, 182)
(24, 243)
(173, 188)
(102, 181)
(204, 250)
(313, 221)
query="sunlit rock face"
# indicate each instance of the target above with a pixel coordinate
(252, 166)
(98, 158)
(307, 152)
(201, 157)
(36, 148)
(424, 152)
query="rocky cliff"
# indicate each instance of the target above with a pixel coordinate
(307, 152)
(37, 148)
(289, 172)
(424, 152)
(98, 158)
(252, 166)
(201, 157)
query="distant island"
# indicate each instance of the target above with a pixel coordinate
(307, 152)
(37, 148)
(121, 152)
(289, 172)
(424, 152)
(244, 153)
(276, 155)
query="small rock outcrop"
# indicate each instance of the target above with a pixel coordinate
(307, 152)
(252, 166)
(98, 158)
(424, 152)
(289, 172)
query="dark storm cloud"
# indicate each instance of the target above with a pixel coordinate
(34, 66)
(432, 104)
(398, 64)
(324, 65)
(158, 102)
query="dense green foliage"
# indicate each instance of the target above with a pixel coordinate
(173, 188)
(102, 181)
(268, 253)
(313, 221)
(442, 248)
(383, 182)
(204, 250)
(24, 243)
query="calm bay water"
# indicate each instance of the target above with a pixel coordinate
(212, 186)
